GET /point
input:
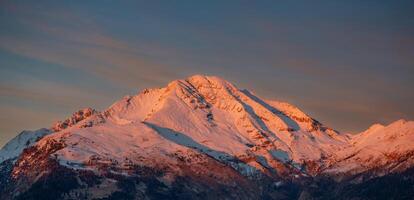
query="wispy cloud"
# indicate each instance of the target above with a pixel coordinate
(51, 93)
(91, 50)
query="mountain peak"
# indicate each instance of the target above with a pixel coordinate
(378, 127)
(198, 77)
(209, 81)
(399, 122)
(204, 126)
(374, 127)
(201, 77)
(213, 110)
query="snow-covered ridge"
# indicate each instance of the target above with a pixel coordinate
(83, 118)
(389, 148)
(25, 139)
(213, 117)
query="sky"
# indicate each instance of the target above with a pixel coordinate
(348, 64)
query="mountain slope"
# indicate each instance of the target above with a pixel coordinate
(24, 140)
(200, 137)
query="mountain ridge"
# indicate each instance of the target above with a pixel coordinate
(172, 131)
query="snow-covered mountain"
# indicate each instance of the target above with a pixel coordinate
(198, 138)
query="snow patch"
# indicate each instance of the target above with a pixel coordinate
(280, 155)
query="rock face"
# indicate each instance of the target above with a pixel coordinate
(203, 138)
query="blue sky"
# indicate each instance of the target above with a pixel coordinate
(349, 64)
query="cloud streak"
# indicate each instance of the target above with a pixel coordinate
(90, 50)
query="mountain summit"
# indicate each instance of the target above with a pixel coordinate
(203, 138)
